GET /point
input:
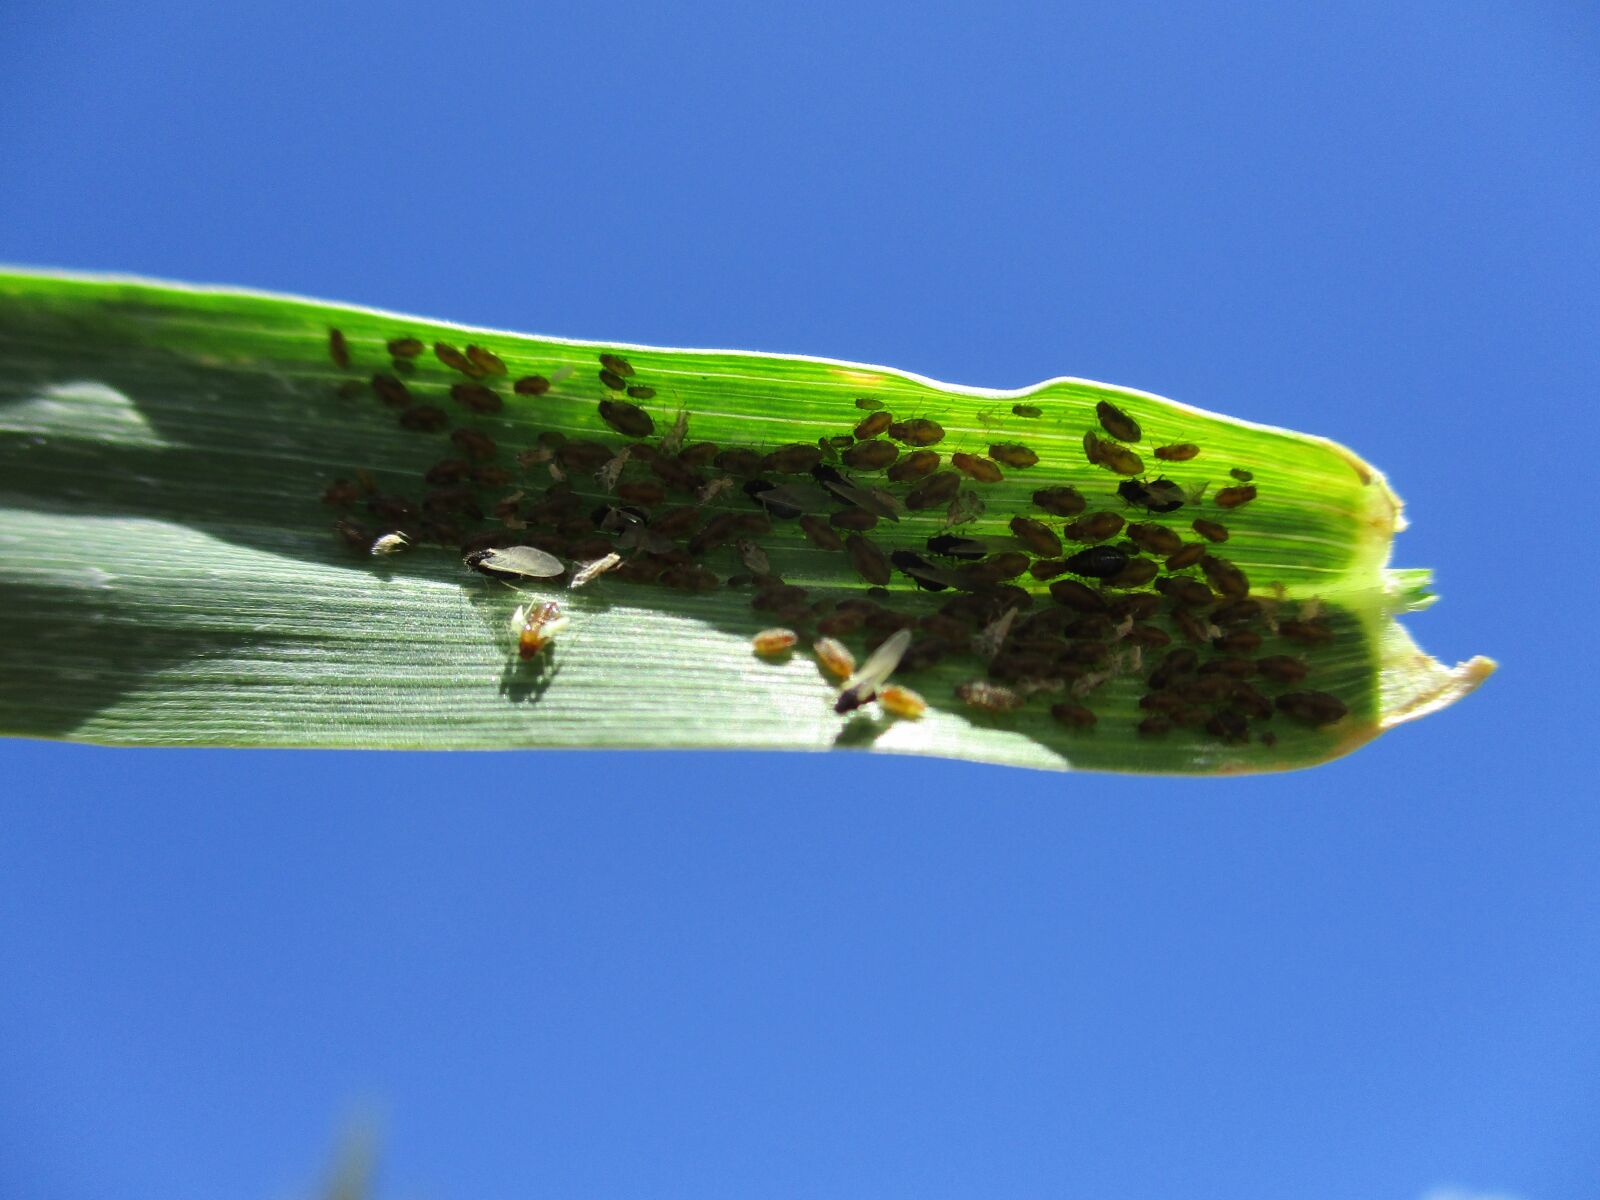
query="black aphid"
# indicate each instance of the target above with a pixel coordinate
(627, 419)
(1098, 562)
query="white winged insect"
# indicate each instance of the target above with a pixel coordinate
(872, 674)
(515, 562)
(390, 543)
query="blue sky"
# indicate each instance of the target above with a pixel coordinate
(734, 975)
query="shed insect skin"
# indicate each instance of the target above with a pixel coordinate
(988, 697)
(593, 570)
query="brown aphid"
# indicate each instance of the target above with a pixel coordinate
(689, 577)
(1240, 474)
(583, 455)
(871, 455)
(1118, 458)
(404, 347)
(1225, 577)
(448, 470)
(1036, 536)
(822, 537)
(1237, 612)
(475, 445)
(1186, 591)
(988, 697)
(1280, 668)
(1046, 568)
(1313, 708)
(485, 361)
(425, 418)
(338, 349)
(698, 455)
(341, 493)
(476, 397)
(858, 519)
(914, 466)
(1062, 501)
(1228, 726)
(453, 358)
(675, 522)
(1238, 641)
(918, 431)
(1079, 597)
(933, 491)
(1156, 539)
(794, 459)
(1137, 573)
(1025, 410)
(1013, 454)
(353, 534)
(531, 385)
(980, 469)
(612, 380)
(1186, 557)
(743, 463)
(1232, 665)
(872, 426)
(869, 561)
(641, 391)
(1306, 633)
(770, 643)
(1116, 422)
(1091, 446)
(841, 623)
(1073, 716)
(641, 491)
(1148, 636)
(1192, 627)
(1210, 530)
(1154, 726)
(1177, 452)
(1139, 607)
(1096, 527)
(627, 419)
(390, 390)
(868, 403)
(1233, 497)
(616, 364)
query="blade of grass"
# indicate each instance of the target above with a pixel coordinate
(169, 574)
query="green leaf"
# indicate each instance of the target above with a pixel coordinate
(170, 574)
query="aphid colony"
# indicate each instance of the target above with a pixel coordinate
(1093, 583)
